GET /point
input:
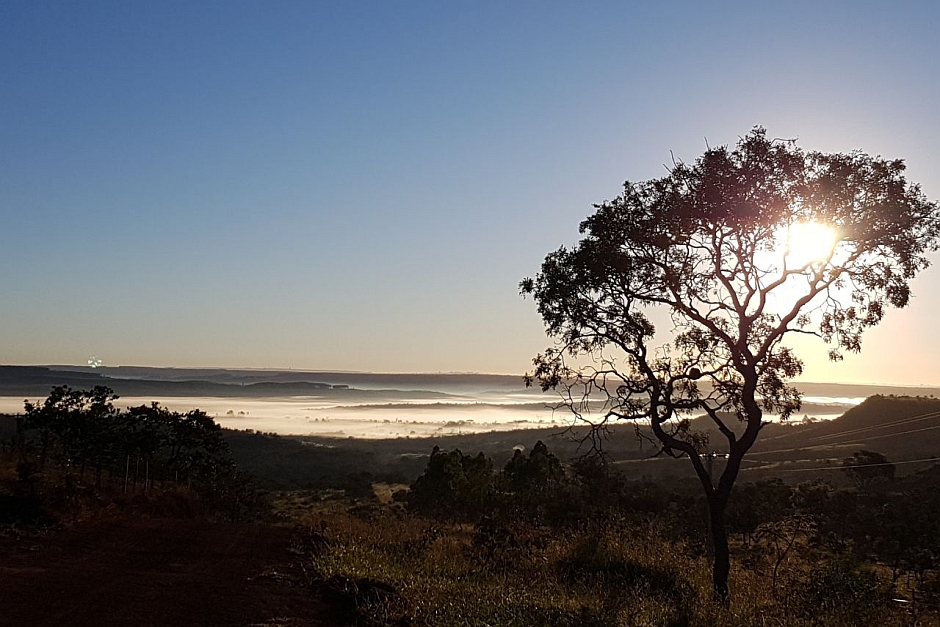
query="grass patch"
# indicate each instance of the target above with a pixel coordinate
(380, 565)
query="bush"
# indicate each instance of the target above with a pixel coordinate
(507, 546)
(365, 601)
(594, 562)
(453, 485)
(840, 589)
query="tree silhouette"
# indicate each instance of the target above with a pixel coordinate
(78, 427)
(720, 246)
(867, 467)
(537, 475)
(453, 484)
(75, 425)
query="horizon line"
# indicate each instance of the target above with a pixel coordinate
(412, 373)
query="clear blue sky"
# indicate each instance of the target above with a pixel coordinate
(361, 186)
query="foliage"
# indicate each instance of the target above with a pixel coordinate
(708, 245)
(407, 570)
(140, 446)
(597, 560)
(454, 580)
(867, 467)
(79, 426)
(758, 503)
(539, 473)
(453, 484)
(293, 462)
(76, 425)
(778, 539)
(840, 589)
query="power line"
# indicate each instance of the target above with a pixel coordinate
(835, 444)
(852, 441)
(880, 426)
(885, 425)
(769, 465)
(887, 435)
(908, 461)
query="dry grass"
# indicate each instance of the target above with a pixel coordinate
(516, 574)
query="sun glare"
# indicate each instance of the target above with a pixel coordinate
(809, 242)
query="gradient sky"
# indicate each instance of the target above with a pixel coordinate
(361, 186)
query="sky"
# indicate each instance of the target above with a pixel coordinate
(362, 186)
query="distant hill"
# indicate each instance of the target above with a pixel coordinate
(36, 381)
(905, 429)
(440, 382)
(865, 390)
(450, 383)
(36, 375)
(880, 411)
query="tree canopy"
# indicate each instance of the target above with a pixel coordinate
(742, 248)
(83, 426)
(867, 467)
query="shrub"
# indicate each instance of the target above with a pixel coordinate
(595, 562)
(840, 589)
(453, 484)
(365, 601)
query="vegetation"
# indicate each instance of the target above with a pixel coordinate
(630, 560)
(724, 246)
(454, 484)
(520, 536)
(867, 467)
(77, 439)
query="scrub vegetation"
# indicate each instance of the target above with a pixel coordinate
(524, 535)
(540, 542)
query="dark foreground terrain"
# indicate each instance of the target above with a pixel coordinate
(155, 572)
(833, 525)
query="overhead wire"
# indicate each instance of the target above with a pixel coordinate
(885, 425)
(766, 464)
(856, 440)
(854, 466)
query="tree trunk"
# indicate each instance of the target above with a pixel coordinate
(719, 541)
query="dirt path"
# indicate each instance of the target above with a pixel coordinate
(151, 573)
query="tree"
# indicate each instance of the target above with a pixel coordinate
(79, 424)
(454, 483)
(535, 475)
(722, 246)
(867, 467)
(533, 487)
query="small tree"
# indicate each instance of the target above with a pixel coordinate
(536, 475)
(866, 467)
(453, 484)
(77, 425)
(741, 249)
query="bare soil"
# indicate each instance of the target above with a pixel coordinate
(156, 572)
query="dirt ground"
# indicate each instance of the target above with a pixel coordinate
(155, 572)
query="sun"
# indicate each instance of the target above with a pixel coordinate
(808, 243)
(801, 249)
